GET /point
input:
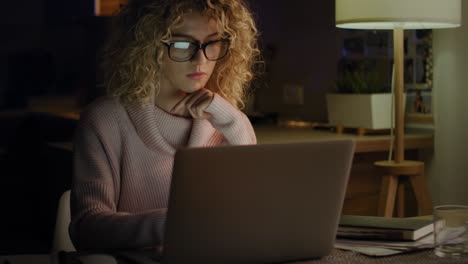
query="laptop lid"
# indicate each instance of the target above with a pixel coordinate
(256, 203)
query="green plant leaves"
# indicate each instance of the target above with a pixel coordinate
(361, 80)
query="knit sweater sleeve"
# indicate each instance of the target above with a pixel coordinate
(232, 123)
(96, 222)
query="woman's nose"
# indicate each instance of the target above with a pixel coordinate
(199, 57)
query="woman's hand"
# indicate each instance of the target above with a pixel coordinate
(194, 104)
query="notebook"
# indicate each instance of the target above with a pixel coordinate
(256, 203)
(386, 228)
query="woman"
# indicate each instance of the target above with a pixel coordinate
(177, 73)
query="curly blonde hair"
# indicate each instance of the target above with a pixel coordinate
(133, 56)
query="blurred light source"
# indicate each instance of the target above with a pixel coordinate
(107, 7)
(390, 14)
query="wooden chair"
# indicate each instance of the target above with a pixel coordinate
(61, 240)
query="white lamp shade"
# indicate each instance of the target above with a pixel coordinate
(390, 14)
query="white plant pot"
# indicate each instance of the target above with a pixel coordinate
(371, 111)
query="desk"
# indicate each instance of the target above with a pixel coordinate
(419, 257)
(60, 106)
(362, 196)
(363, 191)
(336, 257)
(364, 144)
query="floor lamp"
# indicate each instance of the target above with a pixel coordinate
(398, 15)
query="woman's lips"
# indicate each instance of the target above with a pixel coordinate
(196, 75)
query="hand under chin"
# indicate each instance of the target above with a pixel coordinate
(194, 104)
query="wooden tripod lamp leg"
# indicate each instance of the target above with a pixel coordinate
(387, 196)
(421, 191)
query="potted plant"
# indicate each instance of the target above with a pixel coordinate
(362, 99)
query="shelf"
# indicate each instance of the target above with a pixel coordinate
(417, 117)
(417, 86)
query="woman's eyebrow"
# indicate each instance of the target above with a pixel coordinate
(182, 35)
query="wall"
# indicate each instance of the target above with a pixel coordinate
(21, 24)
(302, 34)
(448, 169)
(302, 48)
(48, 47)
(306, 50)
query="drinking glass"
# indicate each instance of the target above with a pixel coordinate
(451, 230)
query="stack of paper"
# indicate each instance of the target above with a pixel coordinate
(383, 236)
(382, 247)
(386, 228)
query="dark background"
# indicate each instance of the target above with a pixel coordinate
(51, 48)
(47, 48)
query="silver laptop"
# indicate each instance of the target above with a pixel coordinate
(256, 204)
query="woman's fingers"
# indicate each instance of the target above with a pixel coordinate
(180, 108)
(194, 104)
(198, 103)
(193, 97)
(201, 105)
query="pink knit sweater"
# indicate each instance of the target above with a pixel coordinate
(123, 166)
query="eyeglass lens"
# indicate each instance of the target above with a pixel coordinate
(184, 50)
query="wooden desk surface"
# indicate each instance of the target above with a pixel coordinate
(60, 106)
(336, 256)
(368, 143)
(418, 257)
(271, 134)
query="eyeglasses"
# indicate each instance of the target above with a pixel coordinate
(185, 50)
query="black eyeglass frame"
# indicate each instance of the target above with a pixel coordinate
(199, 46)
